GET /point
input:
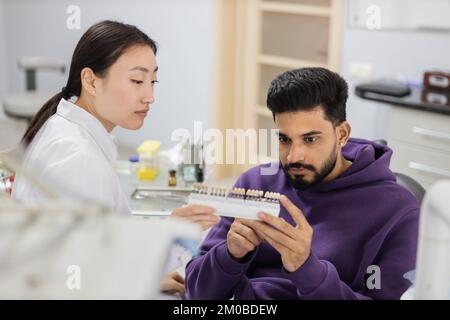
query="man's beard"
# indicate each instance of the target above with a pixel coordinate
(298, 181)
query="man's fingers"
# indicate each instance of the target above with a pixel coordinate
(280, 224)
(268, 231)
(250, 223)
(243, 242)
(247, 233)
(276, 244)
(294, 211)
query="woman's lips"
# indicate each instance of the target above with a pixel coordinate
(142, 113)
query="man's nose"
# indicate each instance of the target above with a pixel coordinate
(296, 154)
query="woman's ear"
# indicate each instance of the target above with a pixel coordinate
(343, 133)
(88, 81)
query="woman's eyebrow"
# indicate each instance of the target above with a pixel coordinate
(143, 69)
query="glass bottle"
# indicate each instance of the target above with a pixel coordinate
(172, 178)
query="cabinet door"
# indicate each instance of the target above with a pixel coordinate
(423, 165)
(425, 129)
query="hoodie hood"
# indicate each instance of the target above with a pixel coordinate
(370, 164)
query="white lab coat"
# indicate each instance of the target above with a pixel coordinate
(76, 152)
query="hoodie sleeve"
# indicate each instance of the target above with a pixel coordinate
(214, 273)
(319, 279)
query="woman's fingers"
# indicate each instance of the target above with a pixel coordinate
(193, 210)
(202, 215)
(173, 283)
(177, 277)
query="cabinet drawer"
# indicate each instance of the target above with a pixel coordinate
(420, 164)
(421, 128)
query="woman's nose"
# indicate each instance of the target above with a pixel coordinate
(149, 97)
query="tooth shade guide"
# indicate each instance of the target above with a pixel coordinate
(235, 202)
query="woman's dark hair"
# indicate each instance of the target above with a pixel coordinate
(99, 48)
(306, 88)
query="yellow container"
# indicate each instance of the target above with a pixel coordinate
(148, 160)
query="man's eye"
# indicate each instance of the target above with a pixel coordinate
(155, 81)
(311, 139)
(283, 139)
(137, 81)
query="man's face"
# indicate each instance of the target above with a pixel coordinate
(308, 146)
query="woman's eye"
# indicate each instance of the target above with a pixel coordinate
(137, 81)
(310, 139)
(155, 81)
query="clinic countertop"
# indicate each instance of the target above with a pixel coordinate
(417, 99)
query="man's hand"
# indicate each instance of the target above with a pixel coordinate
(293, 243)
(241, 239)
(202, 215)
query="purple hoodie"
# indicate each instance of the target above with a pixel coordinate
(360, 219)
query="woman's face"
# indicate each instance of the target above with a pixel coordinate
(123, 97)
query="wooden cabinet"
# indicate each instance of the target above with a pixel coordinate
(260, 39)
(287, 34)
(421, 144)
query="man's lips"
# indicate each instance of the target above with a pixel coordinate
(295, 171)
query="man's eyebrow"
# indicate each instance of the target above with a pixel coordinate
(311, 133)
(143, 69)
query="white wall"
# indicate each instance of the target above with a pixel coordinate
(2, 59)
(392, 53)
(183, 29)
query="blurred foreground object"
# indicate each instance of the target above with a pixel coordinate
(56, 252)
(433, 259)
(74, 248)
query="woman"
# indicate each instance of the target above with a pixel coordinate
(111, 82)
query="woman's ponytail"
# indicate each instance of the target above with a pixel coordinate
(46, 111)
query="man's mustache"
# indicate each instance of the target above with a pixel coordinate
(299, 165)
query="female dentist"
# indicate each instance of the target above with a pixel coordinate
(111, 82)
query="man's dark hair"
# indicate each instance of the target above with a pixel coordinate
(306, 88)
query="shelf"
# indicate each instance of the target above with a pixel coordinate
(278, 61)
(290, 8)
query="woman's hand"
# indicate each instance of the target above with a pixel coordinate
(202, 215)
(173, 283)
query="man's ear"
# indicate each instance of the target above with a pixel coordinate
(88, 80)
(343, 133)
